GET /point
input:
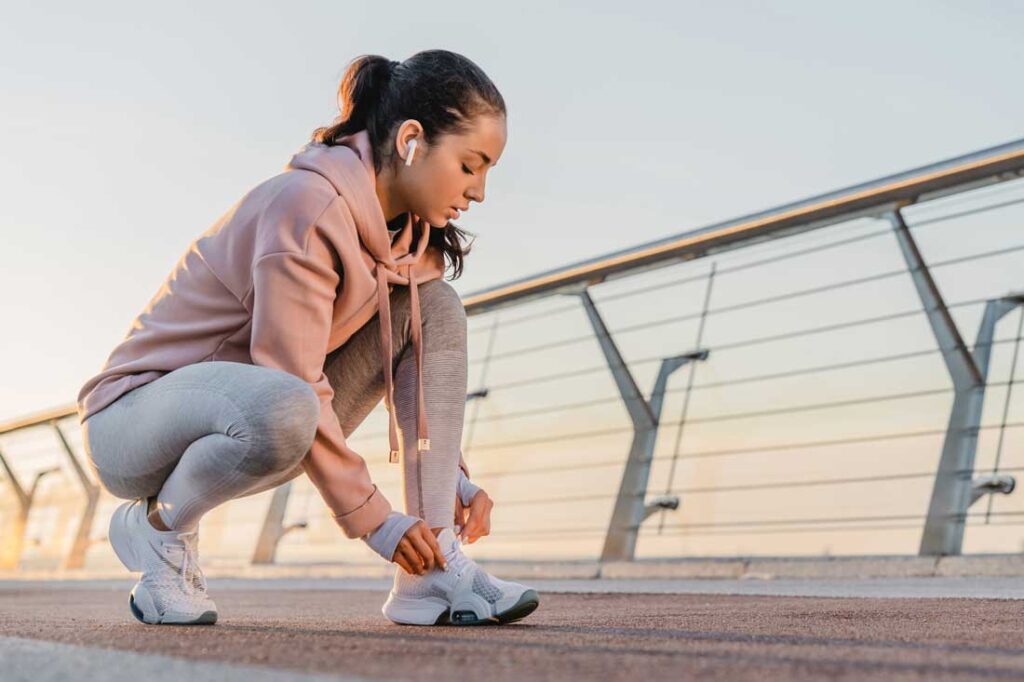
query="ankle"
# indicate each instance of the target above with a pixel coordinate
(153, 514)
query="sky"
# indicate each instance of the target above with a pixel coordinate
(127, 128)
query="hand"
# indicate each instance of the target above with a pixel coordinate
(478, 522)
(418, 552)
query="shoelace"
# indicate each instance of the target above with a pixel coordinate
(192, 578)
(458, 562)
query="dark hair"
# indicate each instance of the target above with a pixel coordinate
(442, 90)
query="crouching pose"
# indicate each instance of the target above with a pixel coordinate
(282, 326)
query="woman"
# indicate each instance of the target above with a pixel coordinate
(284, 324)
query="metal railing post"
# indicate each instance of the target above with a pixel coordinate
(630, 509)
(13, 543)
(80, 544)
(14, 540)
(953, 490)
(273, 526)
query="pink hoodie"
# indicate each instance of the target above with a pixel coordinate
(263, 286)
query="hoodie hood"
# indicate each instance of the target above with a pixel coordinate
(355, 181)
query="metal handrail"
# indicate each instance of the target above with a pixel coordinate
(994, 164)
(987, 166)
(37, 418)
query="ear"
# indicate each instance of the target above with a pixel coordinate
(409, 129)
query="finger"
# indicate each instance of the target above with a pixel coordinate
(426, 554)
(479, 523)
(412, 557)
(481, 532)
(467, 517)
(478, 508)
(458, 511)
(470, 518)
(485, 520)
(404, 563)
(435, 548)
(415, 560)
(472, 529)
(485, 524)
(399, 559)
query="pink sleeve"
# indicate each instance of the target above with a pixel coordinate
(293, 300)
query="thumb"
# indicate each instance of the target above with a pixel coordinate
(460, 512)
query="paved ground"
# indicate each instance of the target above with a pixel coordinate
(310, 629)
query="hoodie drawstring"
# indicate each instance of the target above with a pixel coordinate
(384, 310)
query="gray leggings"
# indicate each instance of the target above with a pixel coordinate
(213, 431)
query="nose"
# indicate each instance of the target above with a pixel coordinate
(475, 194)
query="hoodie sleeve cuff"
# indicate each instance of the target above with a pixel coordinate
(466, 489)
(385, 539)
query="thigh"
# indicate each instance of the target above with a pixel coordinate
(134, 444)
(354, 369)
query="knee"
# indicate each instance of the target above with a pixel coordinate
(442, 307)
(282, 426)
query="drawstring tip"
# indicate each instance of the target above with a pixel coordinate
(393, 457)
(423, 444)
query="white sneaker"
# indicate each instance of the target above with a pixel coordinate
(465, 594)
(172, 588)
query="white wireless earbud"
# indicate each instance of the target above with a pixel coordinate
(411, 147)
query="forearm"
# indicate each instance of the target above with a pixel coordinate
(356, 504)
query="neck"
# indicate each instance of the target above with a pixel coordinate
(391, 205)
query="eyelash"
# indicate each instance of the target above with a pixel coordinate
(466, 169)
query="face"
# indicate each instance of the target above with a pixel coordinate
(445, 177)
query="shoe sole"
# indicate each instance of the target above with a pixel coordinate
(206, 618)
(527, 604)
(405, 611)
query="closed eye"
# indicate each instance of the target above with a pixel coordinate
(466, 169)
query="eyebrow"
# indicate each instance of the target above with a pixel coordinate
(483, 156)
